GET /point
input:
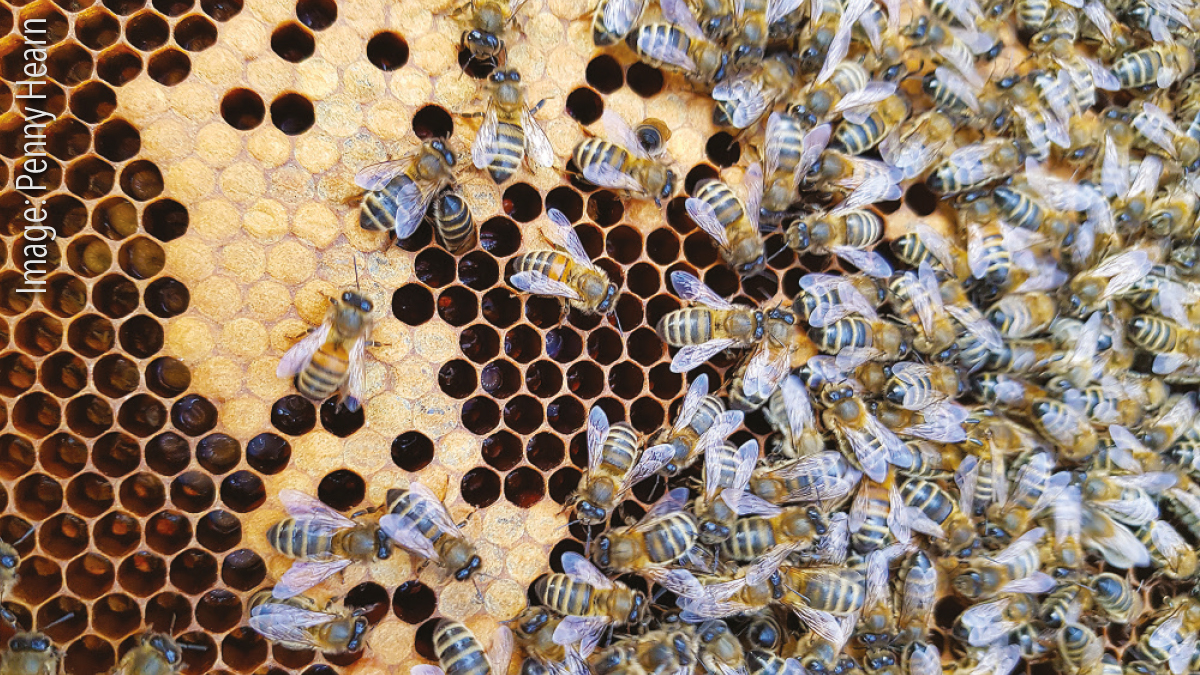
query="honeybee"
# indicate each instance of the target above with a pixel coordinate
(1119, 546)
(1161, 64)
(10, 559)
(1065, 427)
(855, 340)
(790, 151)
(992, 620)
(1177, 419)
(664, 535)
(917, 299)
(1172, 636)
(919, 583)
(487, 21)
(1116, 598)
(849, 91)
(855, 138)
(1013, 570)
(420, 523)
(768, 663)
(459, 651)
(923, 244)
(825, 476)
(918, 142)
(589, 602)
(614, 466)
(451, 218)
(1173, 344)
(1091, 289)
(877, 516)
(844, 232)
(717, 324)
(877, 626)
(758, 377)
(1173, 213)
(837, 591)
(664, 650)
(939, 506)
(296, 623)
(864, 440)
(825, 298)
(623, 164)
(31, 654)
(972, 166)
(742, 100)
(699, 413)
(613, 20)
(568, 274)
(331, 358)
(534, 633)
(1079, 650)
(754, 20)
(1036, 489)
(755, 535)
(732, 223)
(748, 590)
(718, 650)
(398, 192)
(726, 475)
(321, 540)
(915, 386)
(509, 133)
(820, 650)
(1127, 498)
(152, 653)
(790, 412)
(1157, 133)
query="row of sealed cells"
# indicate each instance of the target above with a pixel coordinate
(64, 375)
(115, 218)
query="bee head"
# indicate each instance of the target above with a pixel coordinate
(746, 54)
(589, 513)
(798, 236)
(357, 634)
(804, 113)
(439, 145)
(531, 667)
(816, 517)
(165, 646)
(713, 531)
(603, 553)
(533, 620)
(8, 561)
(610, 295)
(30, 642)
(469, 569)
(969, 584)
(484, 43)
(357, 301)
(764, 634)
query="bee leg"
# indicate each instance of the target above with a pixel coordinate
(383, 545)
(537, 106)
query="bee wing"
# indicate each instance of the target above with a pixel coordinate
(297, 358)
(778, 9)
(678, 581)
(798, 406)
(435, 510)
(878, 590)
(377, 176)
(305, 507)
(1123, 271)
(1030, 478)
(691, 402)
(606, 175)
(1168, 540)
(1181, 415)
(815, 143)
(652, 461)
(1102, 77)
(688, 287)
(673, 501)
(1145, 182)
(874, 188)
(408, 536)
(778, 127)
(352, 391)
(560, 233)
(753, 185)
(538, 148)
(762, 569)
(302, 576)
(872, 460)
(923, 302)
(1068, 515)
(820, 484)
(712, 445)
(705, 217)
(869, 262)
(714, 456)
(1117, 544)
(1101, 18)
(967, 478)
(618, 132)
(1019, 546)
(959, 86)
(1038, 582)
(667, 52)
(840, 44)
(596, 433)
(540, 284)
(748, 99)
(925, 659)
(1157, 127)
(985, 622)
(765, 372)
(975, 323)
(937, 244)
(281, 622)
(501, 649)
(620, 16)
(747, 504)
(677, 12)
(426, 669)
(690, 356)
(1181, 654)
(1114, 169)
(696, 610)
(485, 148)
(584, 631)
(579, 569)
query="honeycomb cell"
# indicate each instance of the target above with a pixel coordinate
(114, 375)
(543, 311)
(604, 345)
(646, 415)
(243, 491)
(501, 307)
(294, 415)
(147, 31)
(480, 487)
(628, 311)
(142, 180)
(387, 51)
(166, 297)
(342, 489)
(63, 455)
(625, 380)
(173, 7)
(193, 571)
(369, 599)
(623, 244)
(292, 113)
(585, 379)
(165, 219)
(499, 236)
(563, 344)
(317, 14)
(62, 619)
(219, 531)
(218, 453)
(56, 26)
(605, 209)
(116, 616)
(63, 536)
(644, 80)
(168, 533)
(199, 652)
(522, 202)
(117, 66)
(89, 655)
(90, 576)
(501, 450)
(567, 201)
(115, 296)
(243, 570)
(545, 451)
(543, 379)
(97, 28)
(16, 456)
(91, 335)
(659, 306)
(268, 453)
(585, 105)
(524, 487)
(290, 658)
(218, 610)
(457, 378)
(339, 420)
(723, 149)
(168, 613)
(36, 414)
(221, 10)
(319, 669)
(604, 74)
(699, 250)
(478, 270)
(432, 122)
(17, 374)
(243, 109)
(565, 414)
(562, 484)
(117, 533)
(664, 384)
(88, 256)
(90, 494)
(500, 378)
(141, 258)
(169, 67)
(412, 304)
(66, 295)
(457, 306)
(142, 493)
(69, 64)
(168, 453)
(142, 415)
(194, 415)
(412, 451)
(293, 42)
(38, 334)
(591, 238)
(68, 138)
(90, 177)
(643, 280)
(40, 578)
(18, 532)
(66, 214)
(196, 33)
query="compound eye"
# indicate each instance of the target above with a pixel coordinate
(40, 644)
(346, 297)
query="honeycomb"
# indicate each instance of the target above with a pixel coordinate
(201, 188)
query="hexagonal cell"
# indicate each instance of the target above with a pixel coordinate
(16, 456)
(342, 489)
(63, 455)
(193, 491)
(97, 28)
(89, 655)
(387, 51)
(243, 491)
(89, 415)
(221, 10)
(168, 533)
(90, 178)
(169, 67)
(168, 453)
(117, 616)
(218, 453)
(457, 378)
(166, 297)
(66, 295)
(412, 451)
(584, 105)
(219, 531)
(243, 109)
(117, 66)
(480, 487)
(36, 414)
(142, 574)
(268, 453)
(195, 33)
(218, 610)
(142, 493)
(68, 138)
(292, 113)
(90, 494)
(90, 575)
(17, 374)
(432, 122)
(91, 335)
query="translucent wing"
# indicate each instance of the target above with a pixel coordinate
(618, 132)
(302, 352)
(302, 576)
(691, 402)
(1157, 127)
(377, 176)
(485, 147)
(584, 631)
(874, 92)
(596, 433)
(426, 669)
(753, 185)
(667, 52)
(434, 509)
(606, 175)
(850, 300)
(937, 244)
(579, 569)
(1123, 271)
(652, 461)
(352, 390)
(779, 127)
(678, 13)
(749, 101)
(1102, 77)
(870, 262)
(281, 622)
(714, 457)
(621, 15)
(959, 86)
(967, 478)
(560, 233)
(705, 217)
(1028, 485)
(673, 501)
(986, 622)
(925, 660)
(1019, 546)
(1145, 182)
(764, 372)
(412, 202)
(690, 356)
(312, 510)
(870, 458)
(1101, 18)
(540, 284)
(798, 406)
(778, 9)
(408, 536)
(840, 44)
(538, 148)
(688, 287)
(815, 143)
(500, 652)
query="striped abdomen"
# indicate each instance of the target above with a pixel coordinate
(550, 263)
(379, 207)
(670, 537)
(402, 503)
(724, 201)
(295, 539)
(1154, 334)
(619, 451)
(855, 139)
(751, 538)
(452, 218)
(459, 652)
(655, 38)
(510, 151)
(1033, 14)
(688, 326)
(1140, 68)
(790, 143)
(851, 331)
(931, 499)
(599, 151)
(874, 531)
(1018, 208)
(994, 256)
(863, 228)
(564, 595)
(325, 372)
(849, 76)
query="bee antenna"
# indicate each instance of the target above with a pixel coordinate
(23, 537)
(57, 621)
(189, 645)
(356, 283)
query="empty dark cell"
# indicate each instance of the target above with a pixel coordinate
(723, 149)
(565, 200)
(117, 140)
(604, 74)
(592, 239)
(16, 456)
(604, 345)
(291, 113)
(387, 51)
(642, 278)
(522, 202)
(116, 454)
(64, 536)
(501, 307)
(167, 533)
(242, 109)
(193, 491)
(479, 343)
(142, 180)
(644, 80)
(368, 599)
(97, 28)
(478, 270)
(243, 569)
(412, 304)
(89, 655)
(115, 296)
(762, 286)
(585, 379)
(629, 311)
(522, 343)
(921, 199)
(543, 311)
(218, 453)
(290, 658)
(90, 576)
(142, 415)
(613, 407)
(700, 174)
(626, 380)
(142, 493)
(165, 219)
(67, 138)
(418, 240)
(36, 414)
(293, 42)
(169, 67)
(142, 573)
(565, 414)
(117, 66)
(62, 454)
(322, 669)
(69, 64)
(168, 613)
(172, 7)
(40, 579)
(432, 122)
(117, 534)
(147, 31)
(585, 105)
(545, 451)
(218, 610)
(219, 531)
(563, 344)
(501, 450)
(457, 306)
(193, 571)
(412, 451)
(221, 10)
(699, 249)
(199, 651)
(646, 414)
(413, 602)
(779, 255)
(524, 487)
(11, 301)
(18, 373)
(480, 487)
(889, 207)
(141, 336)
(480, 415)
(168, 453)
(645, 347)
(457, 378)
(722, 280)
(663, 383)
(499, 236)
(196, 33)
(62, 619)
(500, 378)
(243, 491)
(342, 489)
(90, 177)
(89, 494)
(678, 218)
(543, 379)
(339, 420)
(317, 14)
(268, 453)
(167, 376)
(523, 414)
(623, 244)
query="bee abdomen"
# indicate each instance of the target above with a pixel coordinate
(751, 538)
(454, 223)
(563, 595)
(401, 503)
(550, 263)
(291, 538)
(932, 500)
(459, 652)
(379, 207)
(620, 447)
(690, 326)
(723, 200)
(671, 537)
(510, 145)
(863, 228)
(855, 139)
(1139, 68)
(323, 375)
(599, 151)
